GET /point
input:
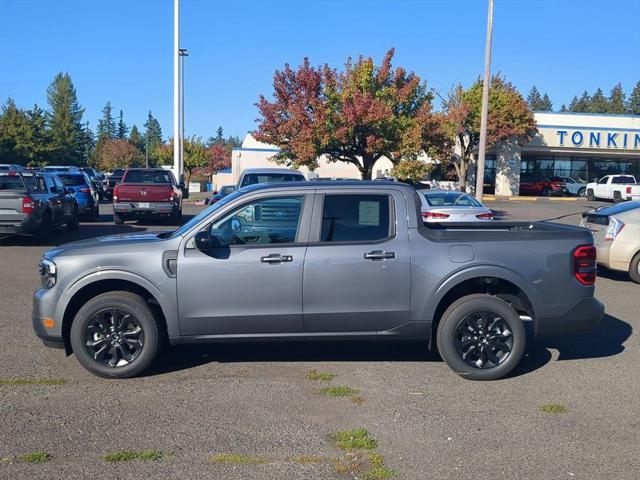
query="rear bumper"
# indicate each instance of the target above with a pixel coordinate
(154, 208)
(26, 226)
(584, 315)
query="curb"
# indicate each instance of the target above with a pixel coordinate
(488, 198)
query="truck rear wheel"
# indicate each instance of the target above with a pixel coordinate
(118, 219)
(634, 268)
(481, 337)
(617, 197)
(590, 195)
(115, 335)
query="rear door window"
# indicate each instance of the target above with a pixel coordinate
(139, 176)
(355, 218)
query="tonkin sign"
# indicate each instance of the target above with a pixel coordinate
(588, 138)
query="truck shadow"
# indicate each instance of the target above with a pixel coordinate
(605, 341)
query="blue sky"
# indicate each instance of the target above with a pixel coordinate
(120, 50)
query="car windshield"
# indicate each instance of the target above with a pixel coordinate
(205, 213)
(141, 176)
(72, 180)
(451, 199)
(253, 178)
(11, 182)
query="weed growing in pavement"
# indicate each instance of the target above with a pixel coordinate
(34, 457)
(339, 391)
(358, 400)
(308, 459)
(379, 471)
(350, 464)
(553, 408)
(236, 459)
(128, 455)
(33, 381)
(324, 376)
(357, 439)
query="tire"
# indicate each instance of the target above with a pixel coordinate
(546, 192)
(91, 216)
(634, 268)
(46, 226)
(467, 311)
(107, 357)
(176, 218)
(74, 224)
(590, 196)
(617, 197)
(582, 192)
(117, 219)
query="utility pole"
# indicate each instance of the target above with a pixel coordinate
(146, 150)
(177, 167)
(485, 107)
(183, 53)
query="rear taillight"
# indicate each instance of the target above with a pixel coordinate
(434, 215)
(485, 216)
(85, 190)
(27, 205)
(115, 193)
(584, 264)
(628, 190)
(171, 194)
(614, 229)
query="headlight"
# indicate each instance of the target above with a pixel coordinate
(48, 272)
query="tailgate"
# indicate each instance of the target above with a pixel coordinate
(11, 206)
(142, 192)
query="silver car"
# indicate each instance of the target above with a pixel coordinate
(452, 206)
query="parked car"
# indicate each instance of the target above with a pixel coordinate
(450, 206)
(575, 187)
(539, 184)
(111, 181)
(147, 192)
(13, 167)
(251, 176)
(82, 187)
(34, 203)
(223, 192)
(96, 180)
(614, 187)
(616, 230)
(61, 169)
(337, 261)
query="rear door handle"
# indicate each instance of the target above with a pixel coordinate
(379, 255)
(276, 258)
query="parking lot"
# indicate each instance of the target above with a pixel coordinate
(250, 410)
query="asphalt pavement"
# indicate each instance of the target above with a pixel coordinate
(250, 411)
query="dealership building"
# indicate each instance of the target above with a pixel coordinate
(577, 145)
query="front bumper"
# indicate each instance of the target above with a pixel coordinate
(583, 315)
(44, 303)
(151, 208)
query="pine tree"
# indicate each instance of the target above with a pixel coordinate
(534, 99)
(40, 140)
(581, 104)
(599, 103)
(65, 120)
(88, 144)
(136, 139)
(545, 104)
(13, 125)
(106, 125)
(153, 138)
(219, 135)
(617, 99)
(633, 105)
(122, 129)
(564, 108)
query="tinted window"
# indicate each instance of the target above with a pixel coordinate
(355, 218)
(623, 179)
(58, 184)
(50, 185)
(73, 180)
(35, 183)
(253, 178)
(451, 199)
(140, 176)
(603, 180)
(265, 221)
(118, 172)
(11, 182)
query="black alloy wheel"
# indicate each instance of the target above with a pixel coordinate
(483, 340)
(114, 337)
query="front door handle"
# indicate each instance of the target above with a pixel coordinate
(276, 258)
(379, 255)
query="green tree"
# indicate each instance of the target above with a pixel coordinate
(14, 123)
(136, 139)
(564, 108)
(411, 169)
(582, 104)
(617, 99)
(356, 116)
(510, 117)
(65, 120)
(88, 144)
(599, 103)
(118, 153)
(106, 125)
(633, 105)
(546, 105)
(121, 130)
(153, 139)
(534, 99)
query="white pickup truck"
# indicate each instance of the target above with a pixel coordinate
(614, 187)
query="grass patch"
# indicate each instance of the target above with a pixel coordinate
(553, 408)
(33, 381)
(5, 459)
(236, 459)
(324, 376)
(350, 464)
(357, 439)
(308, 459)
(128, 455)
(379, 470)
(34, 457)
(339, 391)
(358, 400)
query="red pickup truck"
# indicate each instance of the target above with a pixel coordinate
(147, 192)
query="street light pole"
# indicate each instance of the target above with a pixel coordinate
(485, 107)
(176, 85)
(183, 53)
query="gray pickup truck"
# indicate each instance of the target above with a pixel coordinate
(307, 260)
(34, 203)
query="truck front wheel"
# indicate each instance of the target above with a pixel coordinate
(481, 337)
(590, 196)
(115, 335)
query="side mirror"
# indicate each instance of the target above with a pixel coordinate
(205, 241)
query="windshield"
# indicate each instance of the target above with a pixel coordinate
(72, 180)
(140, 176)
(451, 199)
(253, 178)
(205, 213)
